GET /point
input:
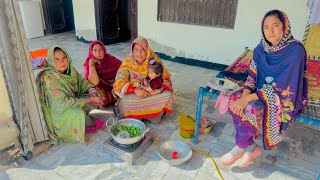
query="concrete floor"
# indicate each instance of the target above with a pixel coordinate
(297, 157)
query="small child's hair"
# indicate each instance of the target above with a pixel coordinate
(156, 66)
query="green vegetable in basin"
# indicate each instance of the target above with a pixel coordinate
(134, 131)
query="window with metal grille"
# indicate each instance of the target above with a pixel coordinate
(215, 13)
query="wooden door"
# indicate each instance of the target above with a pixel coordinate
(58, 16)
(112, 20)
(134, 18)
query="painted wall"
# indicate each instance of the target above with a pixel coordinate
(7, 125)
(84, 19)
(217, 45)
(5, 105)
(40, 3)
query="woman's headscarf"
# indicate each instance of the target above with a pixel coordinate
(51, 61)
(108, 67)
(286, 37)
(143, 68)
(123, 78)
(143, 42)
(71, 76)
(280, 71)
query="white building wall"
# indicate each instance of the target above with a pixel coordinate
(84, 19)
(216, 44)
(35, 27)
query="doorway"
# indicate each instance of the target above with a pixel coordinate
(58, 16)
(116, 20)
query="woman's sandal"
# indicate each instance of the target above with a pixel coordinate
(228, 159)
(248, 158)
(99, 124)
(90, 129)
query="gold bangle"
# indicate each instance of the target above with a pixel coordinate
(92, 64)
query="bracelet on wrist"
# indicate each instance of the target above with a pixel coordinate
(92, 90)
(132, 90)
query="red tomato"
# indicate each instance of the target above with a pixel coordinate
(175, 155)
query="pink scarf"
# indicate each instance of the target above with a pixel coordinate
(109, 66)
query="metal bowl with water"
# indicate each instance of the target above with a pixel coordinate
(167, 148)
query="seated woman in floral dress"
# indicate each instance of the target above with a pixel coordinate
(65, 100)
(136, 102)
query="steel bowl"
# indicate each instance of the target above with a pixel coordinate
(223, 85)
(168, 147)
(127, 122)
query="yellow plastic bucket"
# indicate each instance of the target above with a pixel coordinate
(187, 124)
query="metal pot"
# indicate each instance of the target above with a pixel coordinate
(127, 122)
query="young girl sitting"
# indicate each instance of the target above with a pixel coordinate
(153, 82)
